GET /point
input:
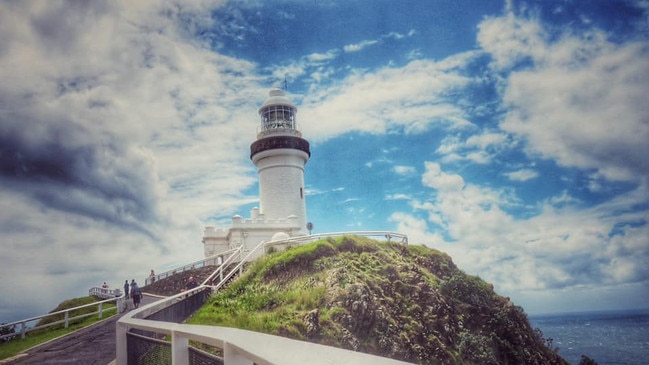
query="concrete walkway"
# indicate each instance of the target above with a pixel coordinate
(91, 345)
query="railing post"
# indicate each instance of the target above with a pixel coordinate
(22, 330)
(121, 344)
(101, 312)
(67, 319)
(232, 357)
(179, 349)
(121, 305)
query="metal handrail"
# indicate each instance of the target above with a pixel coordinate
(226, 263)
(190, 266)
(241, 346)
(388, 235)
(119, 306)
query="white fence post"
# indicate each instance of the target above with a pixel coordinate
(179, 349)
(121, 344)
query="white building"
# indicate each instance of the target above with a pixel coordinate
(280, 154)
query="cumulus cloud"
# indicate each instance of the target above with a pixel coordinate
(580, 100)
(558, 248)
(111, 114)
(411, 99)
(577, 99)
(435, 178)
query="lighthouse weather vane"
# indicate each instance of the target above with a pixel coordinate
(285, 83)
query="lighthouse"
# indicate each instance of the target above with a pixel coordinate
(279, 153)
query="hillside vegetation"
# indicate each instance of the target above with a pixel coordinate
(405, 302)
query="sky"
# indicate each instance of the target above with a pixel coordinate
(512, 135)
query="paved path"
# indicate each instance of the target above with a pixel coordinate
(91, 345)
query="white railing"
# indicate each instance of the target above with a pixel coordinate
(223, 277)
(212, 260)
(104, 293)
(242, 347)
(23, 324)
(387, 235)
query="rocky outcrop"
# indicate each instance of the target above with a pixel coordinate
(405, 302)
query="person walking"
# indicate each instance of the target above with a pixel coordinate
(126, 286)
(136, 294)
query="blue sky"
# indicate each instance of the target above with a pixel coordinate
(511, 135)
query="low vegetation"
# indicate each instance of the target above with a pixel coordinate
(37, 337)
(405, 302)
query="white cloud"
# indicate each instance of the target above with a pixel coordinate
(479, 148)
(404, 170)
(356, 47)
(563, 246)
(486, 140)
(320, 57)
(522, 175)
(108, 123)
(511, 40)
(435, 178)
(580, 100)
(411, 98)
(398, 197)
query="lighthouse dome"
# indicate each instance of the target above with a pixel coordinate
(276, 97)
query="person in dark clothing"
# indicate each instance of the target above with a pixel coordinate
(136, 294)
(191, 284)
(126, 286)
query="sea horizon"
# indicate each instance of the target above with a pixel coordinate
(610, 337)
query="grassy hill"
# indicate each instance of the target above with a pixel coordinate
(405, 302)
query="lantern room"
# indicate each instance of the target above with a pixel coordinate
(277, 112)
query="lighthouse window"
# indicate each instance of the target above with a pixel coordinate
(278, 116)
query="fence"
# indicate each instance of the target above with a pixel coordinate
(139, 334)
(24, 327)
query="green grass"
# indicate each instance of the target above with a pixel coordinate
(34, 338)
(268, 301)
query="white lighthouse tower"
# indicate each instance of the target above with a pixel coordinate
(279, 153)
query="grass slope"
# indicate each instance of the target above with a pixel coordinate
(405, 302)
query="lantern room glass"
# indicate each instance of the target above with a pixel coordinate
(278, 116)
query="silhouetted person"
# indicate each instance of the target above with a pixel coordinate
(126, 286)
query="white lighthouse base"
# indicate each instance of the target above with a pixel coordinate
(249, 232)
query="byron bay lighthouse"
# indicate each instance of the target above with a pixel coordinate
(280, 154)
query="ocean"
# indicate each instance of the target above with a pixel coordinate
(609, 338)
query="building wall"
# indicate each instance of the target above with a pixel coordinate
(248, 232)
